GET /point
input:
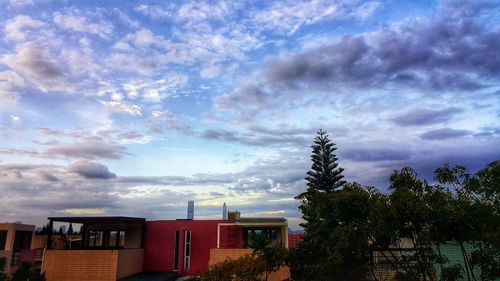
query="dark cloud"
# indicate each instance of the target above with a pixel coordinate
(444, 133)
(449, 52)
(253, 139)
(419, 117)
(375, 154)
(425, 160)
(164, 121)
(91, 170)
(250, 94)
(90, 149)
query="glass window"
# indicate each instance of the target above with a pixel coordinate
(113, 235)
(187, 250)
(122, 239)
(96, 238)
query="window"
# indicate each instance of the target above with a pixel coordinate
(253, 235)
(107, 239)
(187, 249)
(113, 239)
(121, 243)
(22, 240)
(3, 239)
(96, 238)
(176, 251)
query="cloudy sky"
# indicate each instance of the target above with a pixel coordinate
(133, 108)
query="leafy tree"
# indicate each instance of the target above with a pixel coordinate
(245, 268)
(24, 273)
(271, 255)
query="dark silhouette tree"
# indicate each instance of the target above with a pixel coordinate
(318, 255)
(70, 229)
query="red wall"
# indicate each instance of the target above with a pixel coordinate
(294, 240)
(159, 241)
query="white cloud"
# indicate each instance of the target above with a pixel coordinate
(152, 95)
(15, 120)
(210, 72)
(118, 106)
(20, 3)
(80, 24)
(37, 64)
(10, 79)
(14, 28)
(199, 10)
(132, 90)
(366, 10)
(289, 18)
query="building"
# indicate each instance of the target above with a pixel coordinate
(113, 248)
(16, 242)
(294, 239)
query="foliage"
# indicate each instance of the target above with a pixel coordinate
(246, 268)
(3, 264)
(24, 272)
(271, 255)
(404, 227)
(336, 243)
(452, 273)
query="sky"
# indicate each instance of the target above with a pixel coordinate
(135, 107)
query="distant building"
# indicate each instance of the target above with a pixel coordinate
(16, 244)
(294, 239)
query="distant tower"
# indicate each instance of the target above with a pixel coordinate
(224, 212)
(190, 214)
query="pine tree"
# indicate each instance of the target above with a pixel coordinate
(324, 180)
(324, 177)
(70, 229)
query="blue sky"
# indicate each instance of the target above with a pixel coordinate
(133, 108)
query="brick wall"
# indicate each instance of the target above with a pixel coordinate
(220, 255)
(80, 265)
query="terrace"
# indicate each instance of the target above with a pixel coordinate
(110, 248)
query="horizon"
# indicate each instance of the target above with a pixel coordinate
(134, 108)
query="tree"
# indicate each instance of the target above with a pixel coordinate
(3, 264)
(271, 256)
(245, 268)
(60, 231)
(318, 256)
(24, 272)
(70, 229)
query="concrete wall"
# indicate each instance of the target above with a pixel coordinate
(220, 255)
(130, 262)
(11, 229)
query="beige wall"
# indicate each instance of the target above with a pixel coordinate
(220, 255)
(84, 265)
(11, 229)
(129, 262)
